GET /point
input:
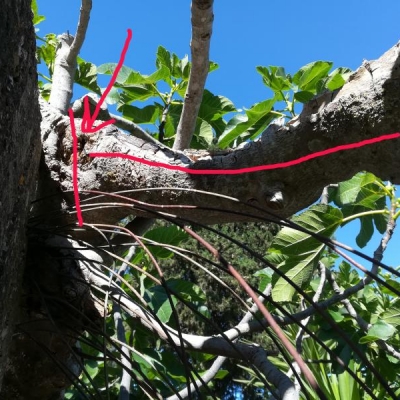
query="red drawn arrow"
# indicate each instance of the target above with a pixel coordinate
(87, 120)
(87, 124)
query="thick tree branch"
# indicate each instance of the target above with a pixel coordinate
(366, 107)
(202, 20)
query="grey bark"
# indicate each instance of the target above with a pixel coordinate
(202, 21)
(66, 61)
(19, 155)
(368, 106)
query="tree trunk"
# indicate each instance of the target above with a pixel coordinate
(19, 155)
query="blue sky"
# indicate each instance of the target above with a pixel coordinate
(246, 34)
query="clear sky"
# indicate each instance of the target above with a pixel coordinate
(246, 34)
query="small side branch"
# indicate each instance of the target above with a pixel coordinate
(202, 20)
(63, 75)
(81, 30)
(65, 63)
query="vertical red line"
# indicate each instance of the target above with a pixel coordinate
(75, 167)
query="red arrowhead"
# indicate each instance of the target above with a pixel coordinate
(87, 119)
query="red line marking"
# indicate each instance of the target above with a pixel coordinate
(87, 125)
(87, 120)
(266, 167)
(75, 167)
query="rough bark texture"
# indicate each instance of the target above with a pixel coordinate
(368, 106)
(55, 307)
(19, 154)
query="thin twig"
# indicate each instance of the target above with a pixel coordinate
(378, 253)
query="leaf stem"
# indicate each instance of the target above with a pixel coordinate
(363, 214)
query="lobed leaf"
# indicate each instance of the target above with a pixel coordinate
(307, 77)
(145, 115)
(241, 124)
(297, 253)
(171, 235)
(274, 78)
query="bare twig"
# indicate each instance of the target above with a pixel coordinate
(80, 35)
(202, 20)
(219, 361)
(378, 253)
(65, 64)
(325, 194)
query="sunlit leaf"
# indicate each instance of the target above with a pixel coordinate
(274, 77)
(392, 316)
(337, 78)
(206, 132)
(37, 19)
(304, 97)
(136, 93)
(163, 58)
(380, 330)
(86, 76)
(240, 124)
(360, 194)
(297, 253)
(307, 77)
(47, 52)
(361, 189)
